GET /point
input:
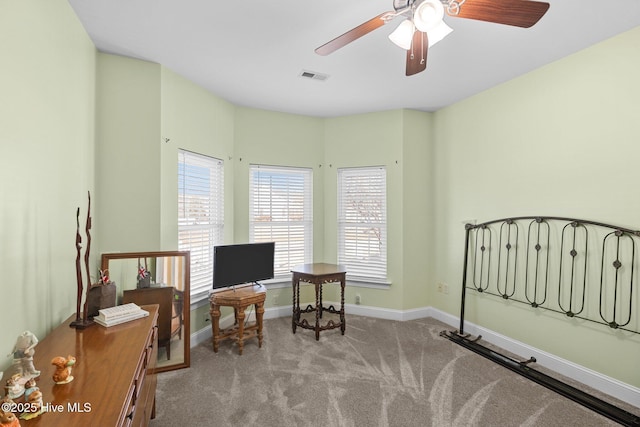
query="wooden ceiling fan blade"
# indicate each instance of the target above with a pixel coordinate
(417, 54)
(354, 34)
(518, 13)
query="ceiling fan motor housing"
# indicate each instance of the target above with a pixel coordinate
(402, 4)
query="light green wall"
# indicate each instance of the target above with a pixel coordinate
(272, 138)
(385, 138)
(373, 139)
(128, 154)
(47, 97)
(562, 141)
(194, 120)
(145, 114)
(418, 217)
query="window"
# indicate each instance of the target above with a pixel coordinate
(362, 222)
(281, 211)
(200, 215)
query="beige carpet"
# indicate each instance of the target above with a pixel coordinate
(380, 373)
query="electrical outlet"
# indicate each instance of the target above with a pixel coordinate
(206, 317)
(358, 299)
(443, 288)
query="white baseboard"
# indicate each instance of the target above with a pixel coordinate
(385, 313)
(617, 389)
(200, 336)
(625, 392)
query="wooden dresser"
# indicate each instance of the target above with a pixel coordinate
(114, 379)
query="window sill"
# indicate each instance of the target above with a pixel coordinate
(361, 282)
(364, 282)
(199, 299)
(202, 298)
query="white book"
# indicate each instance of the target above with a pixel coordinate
(112, 322)
(118, 311)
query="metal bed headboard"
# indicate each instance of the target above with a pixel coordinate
(579, 269)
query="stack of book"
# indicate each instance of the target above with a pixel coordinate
(119, 314)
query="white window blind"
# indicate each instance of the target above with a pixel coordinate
(281, 211)
(200, 215)
(362, 222)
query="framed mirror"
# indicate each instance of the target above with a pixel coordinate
(162, 278)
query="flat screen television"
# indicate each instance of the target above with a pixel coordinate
(243, 263)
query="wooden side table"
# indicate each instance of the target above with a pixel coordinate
(239, 298)
(318, 274)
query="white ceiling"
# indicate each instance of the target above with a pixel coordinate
(251, 52)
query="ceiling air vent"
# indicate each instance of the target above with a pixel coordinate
(313, 75)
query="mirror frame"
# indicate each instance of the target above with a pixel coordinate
(186, 336)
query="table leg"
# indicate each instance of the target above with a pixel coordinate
(320, 304)
(240, 318)
(342, 324)
(318, 309)
(295, 316)
(259, 313)
(215, 324)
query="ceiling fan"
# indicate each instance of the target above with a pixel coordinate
(424, 25)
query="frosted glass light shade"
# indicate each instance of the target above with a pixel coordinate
(428, 15)
(403, 35)
(438, 33)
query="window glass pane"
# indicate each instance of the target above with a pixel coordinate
(200, 214)
(362, 222)
(281, 211)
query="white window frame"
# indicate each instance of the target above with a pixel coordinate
(281, 211)
(201, 195)
(362, 223)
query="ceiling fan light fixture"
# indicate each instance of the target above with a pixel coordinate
(428, 15)
(403, 35)
(438, 33)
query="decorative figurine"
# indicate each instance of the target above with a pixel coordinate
(82, 318)
(144, 278)
(101, 294)
(29, 388)
(62, 375)
(34, 406)
(35, 400)
(80, 287)
(13, 387)
(104, 277)
(8, 419)
(23, 353)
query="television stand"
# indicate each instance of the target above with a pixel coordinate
(240, 299)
